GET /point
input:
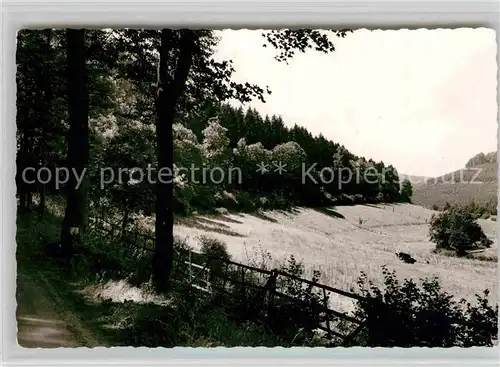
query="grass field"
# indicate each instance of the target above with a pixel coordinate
(344, 241)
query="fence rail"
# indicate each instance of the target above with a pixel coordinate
(258, 288)
(266, 294)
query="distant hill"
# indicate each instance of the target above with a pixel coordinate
(481, 158)
(414, 179)
(486, 172)
(478, 183)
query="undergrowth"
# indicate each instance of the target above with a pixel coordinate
(397, 314)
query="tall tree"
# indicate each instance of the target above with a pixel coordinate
(190, 53)
(46, 89)
(78, 138)
(170, 90)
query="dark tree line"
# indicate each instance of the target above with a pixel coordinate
(376, 182)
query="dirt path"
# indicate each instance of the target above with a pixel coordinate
(43, 318)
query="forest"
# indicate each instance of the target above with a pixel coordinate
(94, 100)
(96, 109)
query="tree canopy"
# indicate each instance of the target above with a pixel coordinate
(101, 102)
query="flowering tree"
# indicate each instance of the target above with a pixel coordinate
(215, 141)
(187, 150)
(254, 161)
(290, 154)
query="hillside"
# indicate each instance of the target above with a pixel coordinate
(413, 178)
(459, 187)
(486, 172)
(344, 241)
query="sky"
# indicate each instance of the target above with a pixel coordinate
(422, 100)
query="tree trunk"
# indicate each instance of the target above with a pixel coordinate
(21, 165)
(28, 161)
(78, 138)
(46, 118)
(168, 94)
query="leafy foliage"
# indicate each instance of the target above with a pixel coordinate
(122, 75)
(456, 229)
(406, 191)
(410, 315)
(213, 249)
(289, 41)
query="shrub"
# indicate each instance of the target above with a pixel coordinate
(279, 201)
(106, 258)
(406, 315)
(435, 207)
(226, 199)
(258, 257)
(406, 191)
(37, 238)
(204, 198)
(344, 199)
(213, 251)
(457, 230)
(358, 199)
(245, 201)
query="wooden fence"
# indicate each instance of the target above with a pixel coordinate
(266, 293)
(136, 239)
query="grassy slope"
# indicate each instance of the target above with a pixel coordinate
(350, 240)
(483, 190)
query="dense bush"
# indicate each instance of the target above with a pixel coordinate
(213, 249)
(482, 210)
(110, 259)
(456, 229)
(406, 191)
(214, 254)
(408, 315)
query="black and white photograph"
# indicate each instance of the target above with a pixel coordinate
(256, 188)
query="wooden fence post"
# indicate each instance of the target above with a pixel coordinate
(349, 338)
(271, 288)
(189, 267)
(225, 277)
(325, 300)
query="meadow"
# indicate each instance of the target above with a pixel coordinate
(344, 241)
